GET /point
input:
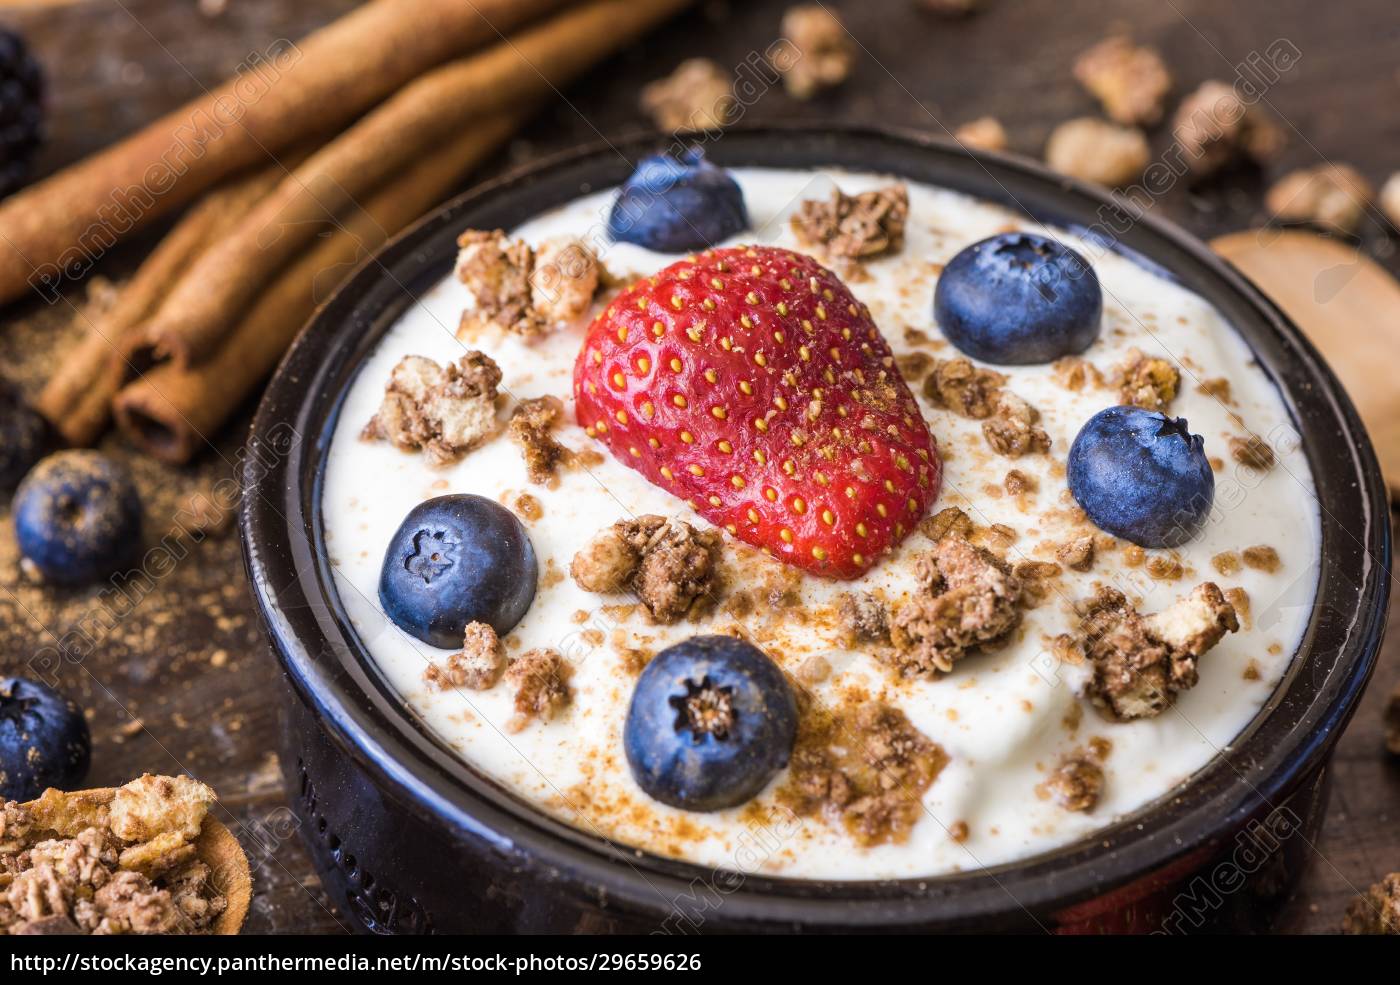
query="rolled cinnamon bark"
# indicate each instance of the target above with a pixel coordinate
(66, 221)
(214, 292)
(77, 400)
(170, 412)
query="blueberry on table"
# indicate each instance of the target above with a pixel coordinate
(1018, 298)
(44, 740)
(678, 205)
(1142, 476)
(24, 436)
(457, 560)
(712, 720)
(78, 517)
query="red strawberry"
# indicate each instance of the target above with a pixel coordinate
(751, 383)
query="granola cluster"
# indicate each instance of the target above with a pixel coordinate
(1077, 782)
(478, 665)
(108, 862)
(1096, 150)
(1142, 662)
(1334, 196)
(521, 289)
(541, 682)
(671, 567)
(1216, 128)
(1376, 911)
(532, 425)
(967, 597)
(698, 95)
(1010, 424)
(444, 410)
(1131, 81)
(855, 227)
(818, 52)
(1149, 382)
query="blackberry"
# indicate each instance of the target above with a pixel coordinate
(21, 110)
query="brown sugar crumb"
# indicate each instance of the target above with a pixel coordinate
(967, 597)
(1078, 554)
(1226, 563)
(532, 426)
(521, 290)
(698, 95)
(1013, 429)
(855, 227)
(1134, 556)
(1376, 911)
(1253, 452)
(1130, 81)
(1142, 662)
(864, 618)
(528, 507)
(1251, 670)
(1334, 196)
(1018, 483)
(1074, 373)
(1147, 381)
(1261, 557)
(957, 385)
(815, 51)
(950, 520)
(444, 411)
(1239, 599)
(959, 831)
(983, 133)
(1392, 721)
(864, 767)
(1095, 150)
(541, 681)
(1165, 567)
(1218, 387)
(1076, 783)
(103, 862)
(671, 567)
(1216, 128)
(478, 666)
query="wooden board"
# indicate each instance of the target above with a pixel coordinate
(188, 661)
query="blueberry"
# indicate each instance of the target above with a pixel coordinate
(678, 205)
(1142, 476)
(78, 517)
(456, 560)
(711, 722)
(44, 740)
(24, 436)
(1018, 298)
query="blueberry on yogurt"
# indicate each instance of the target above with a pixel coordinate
(712, 720)
(44, 740)
(1018, 298)
(78, 517)
(23, 436)
(678, 205)
(457, 560)
(1142, 476)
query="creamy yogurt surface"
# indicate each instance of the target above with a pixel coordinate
(1004, 717)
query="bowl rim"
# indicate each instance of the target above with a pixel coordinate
(1291, 735)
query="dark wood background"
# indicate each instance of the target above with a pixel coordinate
(184, 680)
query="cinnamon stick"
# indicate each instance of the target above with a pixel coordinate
(532, 64)
(77, 400)
(171, 412)
(62, 224)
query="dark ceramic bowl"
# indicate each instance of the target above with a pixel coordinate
(408, 838)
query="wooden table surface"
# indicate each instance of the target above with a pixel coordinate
(182, 678)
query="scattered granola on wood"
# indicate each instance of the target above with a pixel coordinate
(698, 95)
(1375, 912)
(1333, 196)
(815, 51)
(983, 133)
(1131, 81)
(1095, 150)
(1215, 128)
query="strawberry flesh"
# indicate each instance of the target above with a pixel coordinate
(751, 383)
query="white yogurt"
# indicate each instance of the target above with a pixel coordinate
(1001, 716)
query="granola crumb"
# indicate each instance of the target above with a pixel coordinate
(532, 426)
(1253, 452)
(1216, 128)
(444, 411)
(1078, 554)
(865, 618)
(1334, 196)
(520, 290)
(967, 597)
(957, 385)
(914, 366)
(1077, 782)
(1096, 150)
(818, 52)
(814, 670)
(1376, 911)
(1018, 483)
(983, 133)
(698, 95)
(1261, 557)
(1141, 663)
(1074, 373)
(854, 227)
(949, 520)
(1217, 387)
(541, 681)
(1013, 429)
(1165, 567)
(670, 566)
(1239, 599)
(478, 665)
(1226, 563)
(1131, 81)
(1146, 381)
(958, 831)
